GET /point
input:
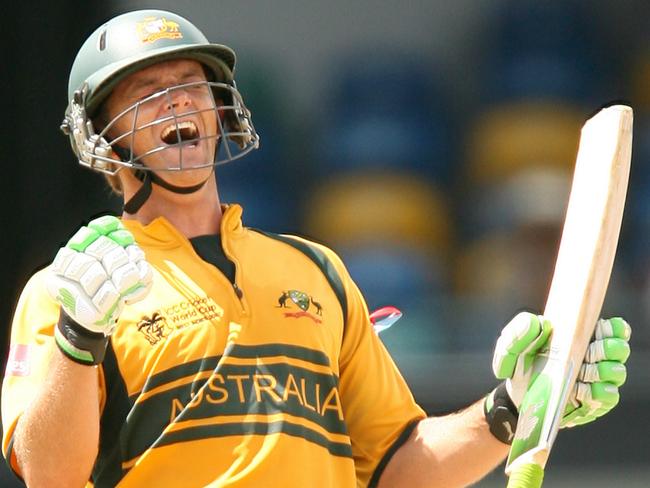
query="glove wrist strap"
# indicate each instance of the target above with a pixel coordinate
(79, 344)
(501, 414)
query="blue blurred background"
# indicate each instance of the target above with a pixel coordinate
(430, 143)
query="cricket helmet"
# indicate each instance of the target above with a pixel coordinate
(131, 42)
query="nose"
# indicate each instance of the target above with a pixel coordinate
(177, 98)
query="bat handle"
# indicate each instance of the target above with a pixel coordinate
(528, 475)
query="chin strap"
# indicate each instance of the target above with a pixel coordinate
(148, 178)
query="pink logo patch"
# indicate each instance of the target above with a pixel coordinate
(18, 363)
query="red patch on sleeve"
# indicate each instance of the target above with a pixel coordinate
(19, 361)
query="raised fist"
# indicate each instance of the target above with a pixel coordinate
(99, 270)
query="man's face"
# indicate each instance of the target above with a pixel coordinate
(186, 112)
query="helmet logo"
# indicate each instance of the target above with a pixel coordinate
(152, 29)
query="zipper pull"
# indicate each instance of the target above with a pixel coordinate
(238, 291)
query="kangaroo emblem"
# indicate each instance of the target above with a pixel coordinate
(282, 301)
(319, 307)
(307, 305)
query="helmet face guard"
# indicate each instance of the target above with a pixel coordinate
(109, 150)
(134, 41)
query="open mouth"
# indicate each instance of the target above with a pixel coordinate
(182, 132)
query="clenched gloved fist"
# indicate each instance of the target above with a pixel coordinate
(99, 270)
(595, 392)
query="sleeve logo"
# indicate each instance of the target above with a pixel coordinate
(19, 361)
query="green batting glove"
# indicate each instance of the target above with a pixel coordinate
(521, 340)
(99, 270)
(602, 373)
(595, 392)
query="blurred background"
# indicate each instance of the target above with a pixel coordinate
(430, 143)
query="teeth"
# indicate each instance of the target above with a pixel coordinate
(187, 130)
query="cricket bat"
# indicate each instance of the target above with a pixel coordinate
(578, 287)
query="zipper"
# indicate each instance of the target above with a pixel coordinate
(222, 276)
(239, 293)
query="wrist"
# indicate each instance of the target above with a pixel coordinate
(501, 414)
(78, 343)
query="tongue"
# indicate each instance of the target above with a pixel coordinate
(172, 138)
(185, 135)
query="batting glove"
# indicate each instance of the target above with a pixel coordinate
(595, 392)
(92, 277)
(601, 374)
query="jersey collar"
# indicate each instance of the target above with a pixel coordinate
(161, 233)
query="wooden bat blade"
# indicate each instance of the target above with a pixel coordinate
(580, 280)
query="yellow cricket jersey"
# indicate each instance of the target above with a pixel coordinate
(275, 380)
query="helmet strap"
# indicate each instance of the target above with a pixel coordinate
(148, 178)
(140, 197)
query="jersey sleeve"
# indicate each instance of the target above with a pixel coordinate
(30, 350)
(379, 408)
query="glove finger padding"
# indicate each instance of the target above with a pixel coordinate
(523, 338)
(144, 275)
(98, 270)
(614, 327)
(612, 372)
(610, 341)
(602, 372)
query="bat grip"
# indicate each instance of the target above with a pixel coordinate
(528, 475)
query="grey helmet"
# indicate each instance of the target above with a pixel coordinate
(129, 43)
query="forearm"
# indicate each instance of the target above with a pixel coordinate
(454, 450)
(56, 438)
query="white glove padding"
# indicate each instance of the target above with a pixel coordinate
(99, 269)
(519, 343)
(602, 372)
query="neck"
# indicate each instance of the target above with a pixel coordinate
(193, 214)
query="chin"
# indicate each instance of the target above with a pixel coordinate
(192, 158)
(187, 177)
